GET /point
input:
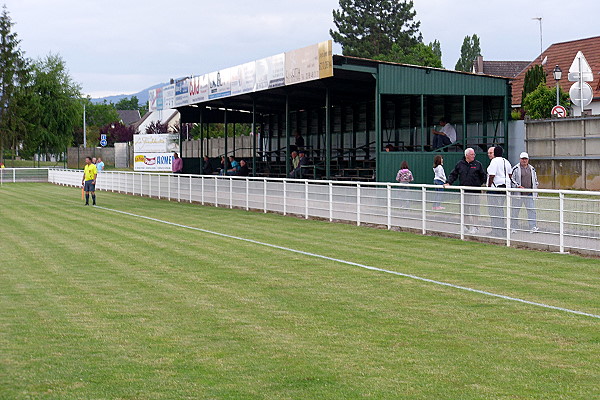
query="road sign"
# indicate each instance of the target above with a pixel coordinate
(559, 111)
(581, 96)
(103, 142)
(580, 69)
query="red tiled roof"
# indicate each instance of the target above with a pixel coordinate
(562, 54)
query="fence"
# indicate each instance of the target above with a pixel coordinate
(564, 220)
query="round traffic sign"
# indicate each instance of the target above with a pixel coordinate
(103, 142)
(559, 111)
(581, 94)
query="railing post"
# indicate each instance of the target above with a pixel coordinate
(462, 214)
(230, 192)
(169, 187)
(159, 186)
(284, 197)
(14, 175)
(389, 206)
(247, 193)
(306, 199)
(358, 204)
(561, 201)
(265, 195)
(423, 209)
(216, 192)
(202, 188)
(508, 219)
(190, 177)
(330, 201)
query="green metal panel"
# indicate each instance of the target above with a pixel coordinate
(420, 164)
(400, 79)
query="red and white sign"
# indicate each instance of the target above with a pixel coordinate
(559, 111)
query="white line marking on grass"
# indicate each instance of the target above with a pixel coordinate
(533, 303)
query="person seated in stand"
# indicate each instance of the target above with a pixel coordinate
(207, 168)
(244, 170)
(299, 140)
(295, 163)
(389, 147)
(235, 166)
(302, 160)
(445, 136)
(223, 167)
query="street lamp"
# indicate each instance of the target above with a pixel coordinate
(557, 75)
(84, 139)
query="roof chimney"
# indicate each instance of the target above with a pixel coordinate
(479, 61)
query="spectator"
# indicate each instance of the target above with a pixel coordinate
(439, 178)
(223, 167)
(469, 172)
(302, 160)
(243, 171)
(295, 163)
(524, 177)
(299, 142)
(445, 136)
(499, 173)
(389, 147)
(207, 168)
(405, 176)
(100, 165)
(235, 166)
(177, 164)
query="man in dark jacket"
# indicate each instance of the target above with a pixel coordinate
(469, 172)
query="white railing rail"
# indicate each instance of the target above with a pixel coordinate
(564, 220)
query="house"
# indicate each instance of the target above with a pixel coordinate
(563, 54)
(507, 69)
(171, 117)
(129, 117)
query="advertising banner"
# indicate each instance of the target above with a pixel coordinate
(302, 65)
(168, 97)
(325, 59)
(158, 143)
(152, 161)
(181, 92)
(219, 84)
(198, 89)
(276, 71)
(152, 100)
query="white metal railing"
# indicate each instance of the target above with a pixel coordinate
(12, 175)
(566, 220)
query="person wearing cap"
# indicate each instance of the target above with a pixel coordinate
(524, 177)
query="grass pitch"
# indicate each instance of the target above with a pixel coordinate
(100, 305)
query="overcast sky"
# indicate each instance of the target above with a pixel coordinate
(121, 47)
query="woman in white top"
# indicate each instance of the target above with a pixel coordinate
(439, 178)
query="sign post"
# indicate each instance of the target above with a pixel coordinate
(580, 72)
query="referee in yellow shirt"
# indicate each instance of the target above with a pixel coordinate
(89, 181)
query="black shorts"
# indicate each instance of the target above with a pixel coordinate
(88, 186)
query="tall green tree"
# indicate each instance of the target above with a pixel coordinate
(128, 103)
(469, 51)
(420, 54)
(14, 78)
(370, 28)
(533, 77)
(57, 108)
(436, 47)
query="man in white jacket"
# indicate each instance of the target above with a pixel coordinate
(524, 177)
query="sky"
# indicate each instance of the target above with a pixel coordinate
(122, 47)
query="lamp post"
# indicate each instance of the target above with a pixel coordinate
(557, 75)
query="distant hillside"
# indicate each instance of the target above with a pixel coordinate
(141, 95)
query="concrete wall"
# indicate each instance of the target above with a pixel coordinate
(565, 152)
(241, 146)
(76, 156)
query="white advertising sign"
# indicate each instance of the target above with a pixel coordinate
(198, 89)
(152, 100)
(249, 77)
(152, 161)
(219, 84)
(168, 97)
(276, 71)
(262, 74)
(159, 143)
(181, 92)
(302, 65)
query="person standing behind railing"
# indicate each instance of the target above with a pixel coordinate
(438, 179)
(404, 175)
(100, 165)
(469, 172)
(524, 177)
(499, 173)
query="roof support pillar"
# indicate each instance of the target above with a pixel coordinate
(225, 136)
(377, 118)
(201, 133)
(254, 136)
(287, 135)
(327, 133)
(464, 118)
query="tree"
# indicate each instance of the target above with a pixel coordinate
(156, 127)
(538, 104)
(128, 103)
(436, 47)
(469, 51)
(14, 79)
(533, 77)
(56, 108)
(370, 28)
(117, 133)
(420, 54)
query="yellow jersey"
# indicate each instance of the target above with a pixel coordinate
(90, 172)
